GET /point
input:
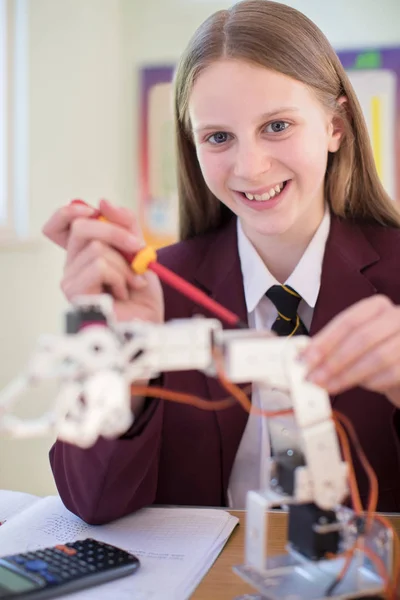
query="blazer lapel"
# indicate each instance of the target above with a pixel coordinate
(220, 276)
(344, 281)
(344, 278)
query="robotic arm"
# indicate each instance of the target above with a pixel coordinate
(96, 361)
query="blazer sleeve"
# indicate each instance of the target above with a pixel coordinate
(114, 477)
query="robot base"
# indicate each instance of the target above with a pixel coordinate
(292, 577)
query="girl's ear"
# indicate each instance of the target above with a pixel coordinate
(337, 125)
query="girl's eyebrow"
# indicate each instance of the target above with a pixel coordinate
(263, 117)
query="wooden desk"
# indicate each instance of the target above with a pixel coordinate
(221, 583)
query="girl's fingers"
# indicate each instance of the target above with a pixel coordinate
(336, 333)
(57, 228)
(360, 343)
(93, 278)
(85, 231)
(369, 370)
(118, 215)
(95, 250)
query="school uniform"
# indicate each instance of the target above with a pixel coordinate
(177, 454)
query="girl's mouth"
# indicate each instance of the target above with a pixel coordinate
(266, 196)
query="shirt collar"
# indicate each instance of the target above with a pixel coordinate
(305, 279)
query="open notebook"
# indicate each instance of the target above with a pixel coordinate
(176, 546)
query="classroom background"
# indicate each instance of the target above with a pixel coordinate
(73, 130)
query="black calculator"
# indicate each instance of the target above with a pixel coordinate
(63, 569)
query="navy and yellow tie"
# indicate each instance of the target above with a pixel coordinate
(286, 301)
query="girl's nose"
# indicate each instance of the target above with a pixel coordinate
(251, 163)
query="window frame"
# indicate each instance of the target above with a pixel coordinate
(14, 172)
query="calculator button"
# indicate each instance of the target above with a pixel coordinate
(50, 577)
(30, 555)
(65, 575)
(19, 560)
(35, 565)
(83, 563)
(14, 560)
(66, 549)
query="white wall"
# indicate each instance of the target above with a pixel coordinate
(83, 64)
(77, 146)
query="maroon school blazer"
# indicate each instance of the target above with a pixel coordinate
(177, 454)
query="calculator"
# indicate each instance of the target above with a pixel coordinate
(63, 569)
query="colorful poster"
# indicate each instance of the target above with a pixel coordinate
(158, 196)
(375, 75)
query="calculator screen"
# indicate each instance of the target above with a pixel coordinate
(14, 582)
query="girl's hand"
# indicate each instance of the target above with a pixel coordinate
(359, 347)
(94, 263)
(58, 227)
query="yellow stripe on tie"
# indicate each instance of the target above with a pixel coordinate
(296, 327)
(290, 291)
(283, 316)
(376, 133)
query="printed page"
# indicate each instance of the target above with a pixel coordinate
(176, 546)
(13, 503)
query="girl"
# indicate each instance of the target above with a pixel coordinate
(277, 186)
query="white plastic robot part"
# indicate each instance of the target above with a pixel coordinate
(178, 345)
(100, 406)
(313, 415)
(68, 356)
(253, 356)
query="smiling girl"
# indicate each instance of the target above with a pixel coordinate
(285, 222)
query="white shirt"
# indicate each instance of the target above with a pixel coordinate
(250, 468)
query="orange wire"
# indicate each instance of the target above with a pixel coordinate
(239, 395)
(389, 589)
(236, 393)
(349, 554)
(373, 480)
(181, 398)
(372, 504)
(341, 422)
(396, 541)
(354, 491)
(355, 497)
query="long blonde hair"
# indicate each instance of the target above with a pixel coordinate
(282, 39)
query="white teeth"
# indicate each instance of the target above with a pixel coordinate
(267, 196)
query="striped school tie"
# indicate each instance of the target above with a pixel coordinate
(286, 301)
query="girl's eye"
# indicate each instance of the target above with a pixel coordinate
(277, 126)
(218, 138)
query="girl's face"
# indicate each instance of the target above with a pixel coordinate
(262, 141)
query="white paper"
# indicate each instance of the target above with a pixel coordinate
(13, 503)
(176, 546)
